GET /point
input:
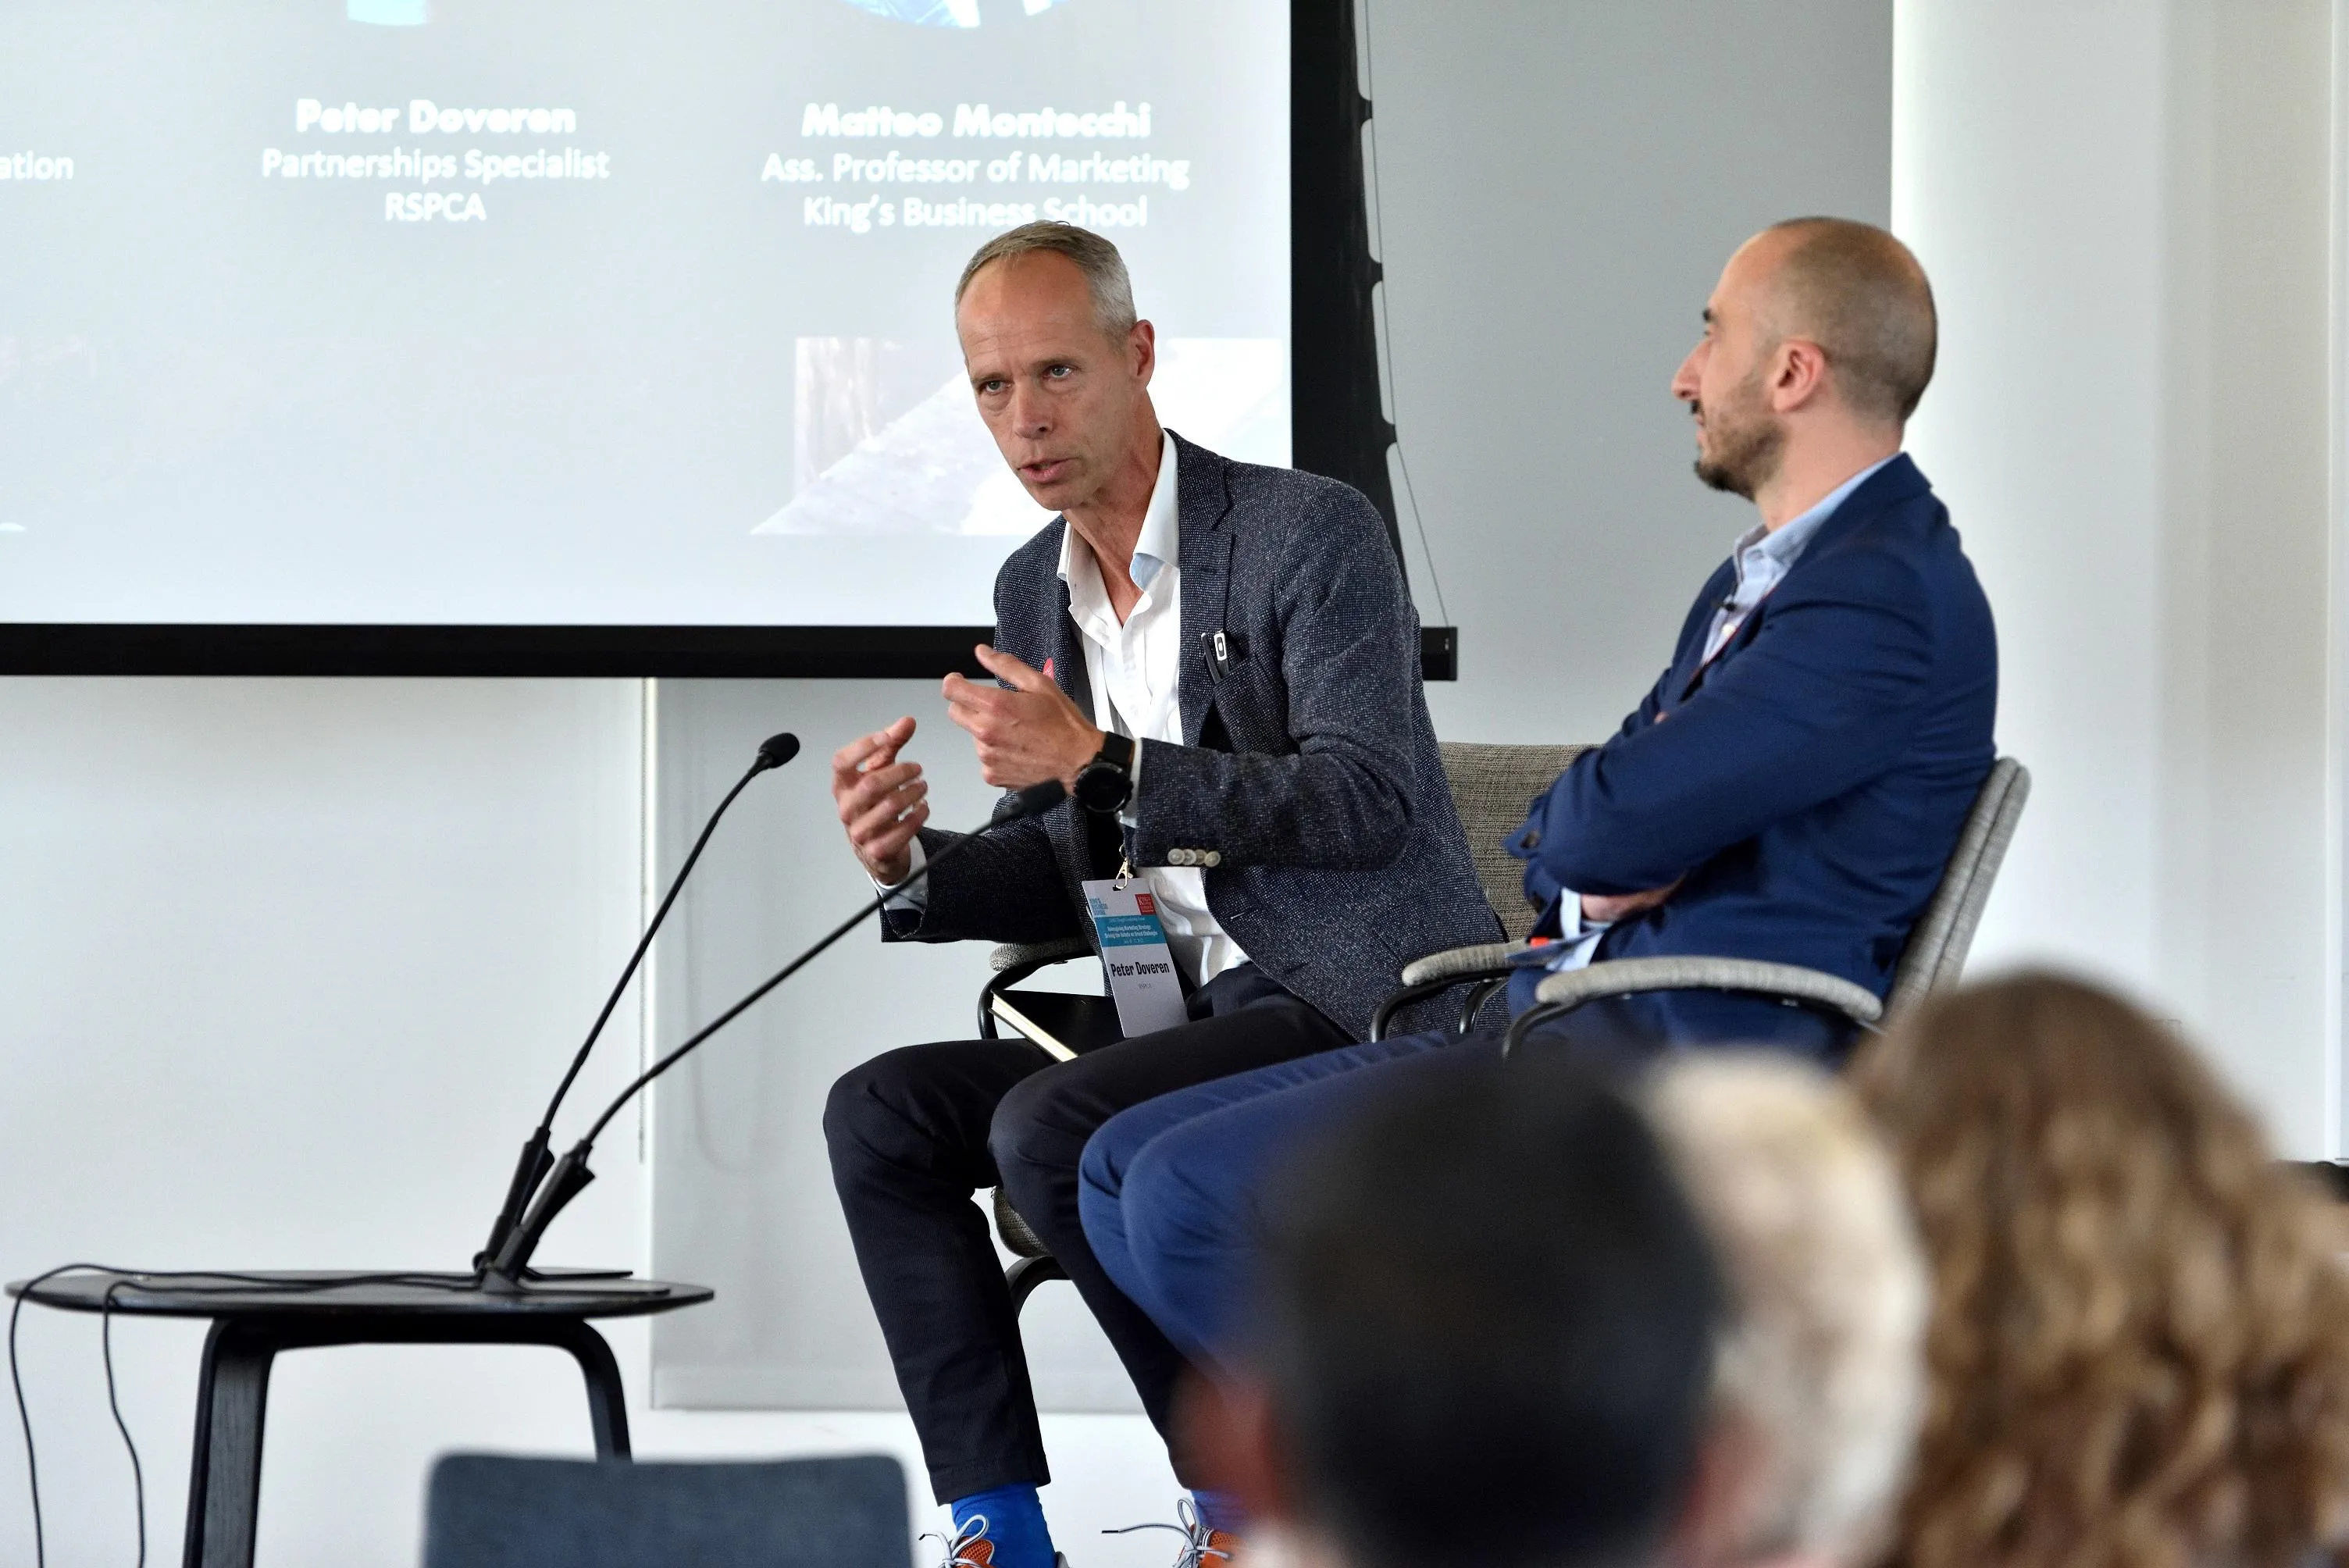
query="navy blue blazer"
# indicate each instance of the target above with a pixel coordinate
(1808, 785)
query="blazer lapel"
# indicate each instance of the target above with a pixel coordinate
(1203, 546)
(1067, 645)
(1895, 482)
(1688, 659)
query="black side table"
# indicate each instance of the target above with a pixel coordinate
(251, 1324)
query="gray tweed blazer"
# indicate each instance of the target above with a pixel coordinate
(1309, 766)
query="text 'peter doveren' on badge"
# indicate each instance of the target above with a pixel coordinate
(1142, 978)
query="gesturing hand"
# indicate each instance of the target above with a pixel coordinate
(1027, 734)
(882, 802)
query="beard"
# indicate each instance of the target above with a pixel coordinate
(1747, 444)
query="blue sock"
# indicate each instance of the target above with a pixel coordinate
(1220, 1510)
(1015, 1523)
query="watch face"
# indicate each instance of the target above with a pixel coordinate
(1102, 786)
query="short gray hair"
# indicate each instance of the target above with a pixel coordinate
(1104, 269)
(1823, 1356)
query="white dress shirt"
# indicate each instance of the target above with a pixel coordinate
(1762, 558)
(1134, 669)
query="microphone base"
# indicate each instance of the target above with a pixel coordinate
(547, 1279)
(569, 1177)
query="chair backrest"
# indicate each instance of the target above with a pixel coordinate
(488, 1511)
(1936, 953)
(1491, 787)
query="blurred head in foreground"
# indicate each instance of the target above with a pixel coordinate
(1485, 1336)
(2138, 1353)
(1820, 1377)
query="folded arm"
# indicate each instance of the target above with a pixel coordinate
(1826, 696)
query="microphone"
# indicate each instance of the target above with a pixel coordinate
(571, 1176)
(537, 1156)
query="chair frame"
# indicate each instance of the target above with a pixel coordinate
(1032, 1262)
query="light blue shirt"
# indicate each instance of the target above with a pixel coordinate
(1762, 557)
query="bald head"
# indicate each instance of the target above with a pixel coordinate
(1860, 295)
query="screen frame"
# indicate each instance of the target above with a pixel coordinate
(1338, 423)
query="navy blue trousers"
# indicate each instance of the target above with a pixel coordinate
(1169, 1191)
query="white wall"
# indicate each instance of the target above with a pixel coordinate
(283, 965)
(286, 970)
(1562, 180)
(2124, 208)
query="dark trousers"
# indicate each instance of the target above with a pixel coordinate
(915, 1131)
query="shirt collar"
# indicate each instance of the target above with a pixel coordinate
(1785, 544)
(1161, 535)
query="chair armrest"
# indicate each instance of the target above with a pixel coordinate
(1462, 963)
(1014, 961)
(1628, 976)
(1440, 972)
(1019, 1238)
(1034, 955)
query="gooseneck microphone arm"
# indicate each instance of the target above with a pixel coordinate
(571, 1176)
(537, 1156)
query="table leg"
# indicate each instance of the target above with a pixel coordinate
(233, 1397)
(224, 1482)
(607, 1407)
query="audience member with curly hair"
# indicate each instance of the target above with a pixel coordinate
(2138, 1351)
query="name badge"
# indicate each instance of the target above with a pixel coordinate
(1142, 978)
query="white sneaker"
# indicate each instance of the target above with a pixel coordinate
(1202, 1547)
(971, 1548)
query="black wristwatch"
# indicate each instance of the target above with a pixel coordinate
(1106, 783)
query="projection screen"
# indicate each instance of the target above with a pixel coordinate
(490, 313)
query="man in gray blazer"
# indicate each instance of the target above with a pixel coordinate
(1222, 662)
